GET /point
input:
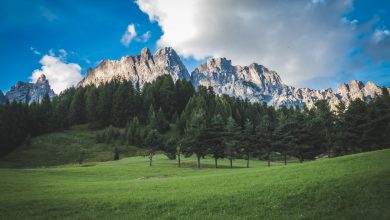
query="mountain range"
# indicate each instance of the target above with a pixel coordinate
(253, 82)
(28, 92)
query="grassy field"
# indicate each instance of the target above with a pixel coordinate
(350, 187)
(64, 147)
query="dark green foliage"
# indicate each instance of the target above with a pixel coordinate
(122, 104)
(153, 142)
(91, 104)
(200, 122)
(116, 154)
(108, 135)
(133, 133)
(170, 148)
(77, 108)
(162, 123)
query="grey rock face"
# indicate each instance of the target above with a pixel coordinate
(253, 82)
(142, 68)
(258, 84)
(30, 92)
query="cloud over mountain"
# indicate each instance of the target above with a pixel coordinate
(61, 75)
(302, 40)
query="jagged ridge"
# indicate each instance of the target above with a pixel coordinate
(142, 68)
(30, 92)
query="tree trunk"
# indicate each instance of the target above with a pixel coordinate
(269, 159)
(150, 159)
(198, 157)
(285, 158)
(247, 161)
(216, 163)
(300, 158)
(179, 158)
(231, 162)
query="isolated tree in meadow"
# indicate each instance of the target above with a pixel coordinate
(192, 143)
(152, 142)
(248, 140)
(179, 150)
(214, 136)
(116, 154)
(283, 139)
(264, 137)
(169, 148)
(232, 141)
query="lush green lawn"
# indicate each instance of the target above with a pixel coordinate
(350, 187)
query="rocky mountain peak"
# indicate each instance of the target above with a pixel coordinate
(146, 54)
(355, 85)
(42, 80)
(30, 92)
(142, 68)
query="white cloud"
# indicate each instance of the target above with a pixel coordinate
(352, 23)
(302, 40)
(379, 35)
(35, 51)
(61, 75)
(145, 37)
(129, 35)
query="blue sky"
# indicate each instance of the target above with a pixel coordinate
(84, 32)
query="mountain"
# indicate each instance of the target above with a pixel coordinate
(142, 68)
(259, 84)
(2, 97)
(30, 92)
(254, 82)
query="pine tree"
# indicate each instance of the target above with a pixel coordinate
(133, 134)
(162, 124)
(192, 143)
(248, 139)
(77, 108)
(232, 139)
(215, 137)
(91, 103)
(153, 143)
(121, 104)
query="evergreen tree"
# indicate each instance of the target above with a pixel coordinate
(77, 108)
(153, 143)
(232, 139)
(121, 104)
(162, 124)
(133, 134)
(192, 144)
(248, 139)
(91, 103)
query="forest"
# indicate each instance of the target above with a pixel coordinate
(202, 122)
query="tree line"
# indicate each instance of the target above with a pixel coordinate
(201, 123)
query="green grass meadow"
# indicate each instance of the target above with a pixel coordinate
(350, 187)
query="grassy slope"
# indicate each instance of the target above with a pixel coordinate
(350, 187)
(63, 148)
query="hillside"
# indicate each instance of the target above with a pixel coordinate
(63, 148)
(349, 187)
